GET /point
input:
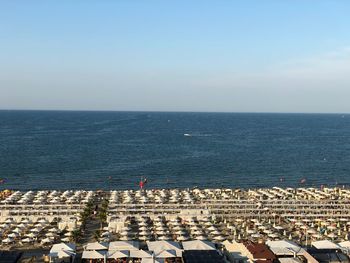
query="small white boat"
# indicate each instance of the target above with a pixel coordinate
(187, 135)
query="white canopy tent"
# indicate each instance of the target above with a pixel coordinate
(96, 246)
(198, 245)
(92, 254)
(140, 254)
(325, 244)
(118, 254)
(123, 245)
(159, 246)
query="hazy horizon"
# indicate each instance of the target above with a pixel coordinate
(199, 56)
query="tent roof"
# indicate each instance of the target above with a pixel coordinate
(289, 260)
(151, 260)
(124, 245)
(118, 254)
(198, 245)
(92, 254)
(62, 254)
(166, 254)
(345, 244)
(140, 254)
(158, 246)
(282, 244)
(284, 247)
(96, 246)
(62, 246)
(325, 244)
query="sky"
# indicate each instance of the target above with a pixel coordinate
(231, 56)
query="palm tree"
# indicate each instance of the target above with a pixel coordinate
(76, 234)
(102, 216)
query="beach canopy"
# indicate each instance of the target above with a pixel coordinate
(97, 246)
(157, 246)
(345, 244)
(325, 244)
(140, 254)
(61, 254)
(92, 254)
(63, 246)
(284, 247)
(123, 245)
(152, 260)
(166, 254)
(118, 254)
(198, 245)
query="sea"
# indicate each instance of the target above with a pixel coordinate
(115, 150)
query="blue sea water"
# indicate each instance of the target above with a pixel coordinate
(112, 150)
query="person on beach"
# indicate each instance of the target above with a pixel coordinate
(142, 183)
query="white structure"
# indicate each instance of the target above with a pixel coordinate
(198, 245)
(62, 252)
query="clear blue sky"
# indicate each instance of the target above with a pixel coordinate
(256, 56)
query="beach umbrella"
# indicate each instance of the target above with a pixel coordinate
(332, 235)
(201, 238)
(145, 233)
(35, 230)
(30, 235)
(68, 234)
(50, 234)
(182, 238)
(17, 230)
(143, 228)
(106, 234)
(65, 239)
(46, 241)
(250, 231)
(13, 235)
(27, 240)
(7, 240)
(219, 238)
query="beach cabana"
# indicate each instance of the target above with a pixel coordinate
(123, 245)
(159, 246)
(325, 244)
(96, 246)
(118, 254)
(140, 254)
(166, 254)
(198, 245)
(93, 254)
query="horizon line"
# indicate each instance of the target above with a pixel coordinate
(178, 111)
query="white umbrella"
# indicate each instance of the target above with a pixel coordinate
(13, 235)
(7, 240)
(46, 241)
(27, 240)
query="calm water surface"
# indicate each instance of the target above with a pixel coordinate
(105, 150)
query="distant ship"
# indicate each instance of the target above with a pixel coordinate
(187, 135)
